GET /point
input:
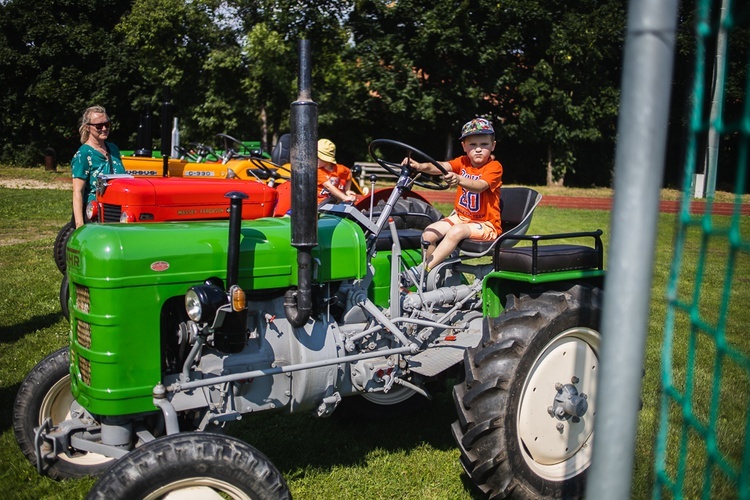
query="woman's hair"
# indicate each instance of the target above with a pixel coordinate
(83, 128)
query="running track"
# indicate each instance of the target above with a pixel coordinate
(672, 207)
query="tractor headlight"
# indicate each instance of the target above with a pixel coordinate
(193, 305)
(127, 216)
(92, 211)
(202, 302)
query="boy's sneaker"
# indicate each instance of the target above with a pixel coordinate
(411, 276)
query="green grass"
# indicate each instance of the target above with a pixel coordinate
(409, 457)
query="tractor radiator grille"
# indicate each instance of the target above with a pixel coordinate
(112, 213)
(84, 366)
(83, 334)
(83, 302)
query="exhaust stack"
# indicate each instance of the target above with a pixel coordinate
(235, 226)
(304, 160)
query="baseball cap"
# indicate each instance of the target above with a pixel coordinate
(327, 150)
(476, 126)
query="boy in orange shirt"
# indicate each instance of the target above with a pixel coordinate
(334, 180)
(478, 177)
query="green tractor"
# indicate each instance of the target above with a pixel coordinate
(178, 329)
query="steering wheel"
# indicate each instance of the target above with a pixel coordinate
(425, 180)
(231, 148)
(203, 151)
(186, 154)
(260, 164)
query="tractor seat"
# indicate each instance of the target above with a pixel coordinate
(539, 259)
(517, 206)
(282, 150)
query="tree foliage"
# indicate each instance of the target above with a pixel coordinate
(56, 58)
(545, 71)
(561, 77)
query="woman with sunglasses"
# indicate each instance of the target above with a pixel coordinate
(94, 158)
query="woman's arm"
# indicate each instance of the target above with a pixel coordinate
(78, 209)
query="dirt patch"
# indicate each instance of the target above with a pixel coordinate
(32, 184)
(15, 239)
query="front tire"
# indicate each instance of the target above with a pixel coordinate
(45, 393)
(59, 248)
(192, 465)
(515, 437)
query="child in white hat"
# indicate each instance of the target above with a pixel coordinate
(334, 180)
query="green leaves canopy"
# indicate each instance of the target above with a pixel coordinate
(545, 71)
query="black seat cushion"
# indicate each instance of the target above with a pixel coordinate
(475, 246)
(550, 258)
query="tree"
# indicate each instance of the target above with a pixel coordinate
(272, 30)
(427, 65)
(545, 72)
(270, 79)
(183, 56)
(54, 62)
(561, 76)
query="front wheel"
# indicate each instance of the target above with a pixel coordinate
(527, 406)
(59, 248)
(45, 393)
(192, 465)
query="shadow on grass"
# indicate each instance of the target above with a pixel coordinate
(13, 333)
(300, 441)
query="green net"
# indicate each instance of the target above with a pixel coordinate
(703, 443)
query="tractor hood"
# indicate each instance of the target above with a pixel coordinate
(111, 256)
(173, 199)
(141, 166)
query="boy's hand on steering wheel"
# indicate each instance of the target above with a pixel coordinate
(452, 178)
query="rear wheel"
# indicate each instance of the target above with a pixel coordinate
(527, 406)
(399, 401)
(60, 246)
(192, 465)
(45, 393)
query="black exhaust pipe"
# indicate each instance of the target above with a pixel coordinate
(235, 225)
(143, 141)
(304, 159)
(167, 114)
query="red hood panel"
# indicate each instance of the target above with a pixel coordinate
(173, 198)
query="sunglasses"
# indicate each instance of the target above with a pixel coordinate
(100, 126)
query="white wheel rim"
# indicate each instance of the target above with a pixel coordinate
(198, 488)
(56, 405)
(553, 451)
(396, 395)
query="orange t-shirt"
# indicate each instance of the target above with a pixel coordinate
(484, 206)
(338, 177)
